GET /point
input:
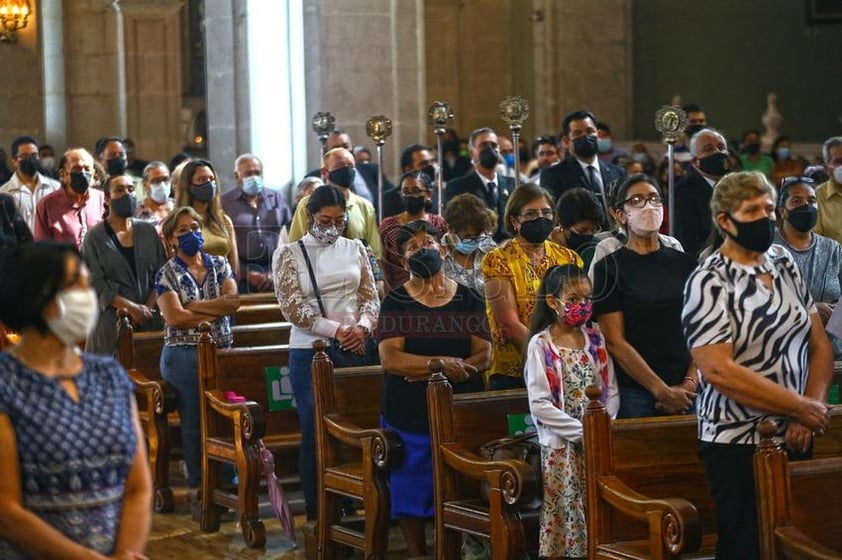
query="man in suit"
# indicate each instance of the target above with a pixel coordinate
(483, 181)
(415, 157)
(365, 180)
(582, 167)
(709, 162)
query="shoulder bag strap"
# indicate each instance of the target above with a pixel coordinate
(312, 277)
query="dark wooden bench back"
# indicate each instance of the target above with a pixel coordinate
(356, 394)
(258, 298)
(258, 313)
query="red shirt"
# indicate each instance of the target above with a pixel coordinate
(60, 218)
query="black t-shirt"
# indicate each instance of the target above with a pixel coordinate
(427, 331)
(649, 291)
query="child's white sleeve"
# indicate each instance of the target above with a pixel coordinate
(540, 399)
(612, 399)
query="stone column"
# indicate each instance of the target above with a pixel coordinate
(152, 38)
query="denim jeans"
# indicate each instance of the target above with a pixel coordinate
(300, 362)
(637, 402)
(180, 368)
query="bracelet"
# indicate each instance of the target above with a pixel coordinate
(693, 379)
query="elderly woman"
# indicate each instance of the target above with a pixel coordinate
(819, 258)
(579, 214)
(75, 480)
(471, 224)
(325, 288)
(406, 346)
(199, 188)
(752, 327)
(512, 276)
(124, 256)
(416, 191)
(193, 287)
(638, 294)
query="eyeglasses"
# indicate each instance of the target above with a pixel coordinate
(475, 239)
(639, 201)
(415, 193)
(530, 215)
(789, 181)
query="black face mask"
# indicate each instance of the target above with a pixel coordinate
(124, 206)
(489, 158)
(579, 241)
(715, 165)
(29, 166)
(537, 230)
(425, 262)
(585, 146)
(80, 181)
(692, 129)
(753, 148)
(429, 171)
(414, 204)
(755, 236)
(116, 166)
(204, 192)
(803, 218)
(342, 177)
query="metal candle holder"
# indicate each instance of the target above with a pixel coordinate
(323, 125)
(378, 128)
(440, 115)
(670, 121)
(514, 110)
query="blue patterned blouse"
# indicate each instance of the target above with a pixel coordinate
(174, 276)
(73, 457)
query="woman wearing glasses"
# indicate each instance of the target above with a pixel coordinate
(638, 295)
(512, 277)
(818, 258)
(471, 224)
(416, 190)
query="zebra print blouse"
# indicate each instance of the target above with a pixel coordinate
(725, 303)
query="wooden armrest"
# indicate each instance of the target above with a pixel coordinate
(384, 442)
(676, 520)
(159, 392)
(796, 545)
(249, 414)
(515, 480)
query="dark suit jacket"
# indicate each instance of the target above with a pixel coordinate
(568, 174)
(692, 223)
(368, 171)
(471, 183)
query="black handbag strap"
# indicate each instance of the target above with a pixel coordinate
(312, 278)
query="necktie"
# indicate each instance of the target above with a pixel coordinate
(596, 186)
(492, 195)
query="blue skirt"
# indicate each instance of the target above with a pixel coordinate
(411, 481)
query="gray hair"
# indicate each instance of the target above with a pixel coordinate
(306, 181)
(475, 134)
(153, 165)
(695, 139)
(829, 144)
(246, 156)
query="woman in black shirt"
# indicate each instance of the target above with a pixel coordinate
(638, 296)
(428, 317)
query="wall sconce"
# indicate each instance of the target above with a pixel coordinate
(14, 15)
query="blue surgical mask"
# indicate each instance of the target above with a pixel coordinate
(509, 159)
(467, 247)
(253, 186)
(604, 145)
(191, 242)
(159, 192)
(784, 153)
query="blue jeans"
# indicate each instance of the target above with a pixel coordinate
(637, 402)
(180, 368)
(300, 362)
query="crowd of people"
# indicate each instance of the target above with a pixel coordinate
(564, 281)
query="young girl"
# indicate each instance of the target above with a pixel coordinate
(565, 356)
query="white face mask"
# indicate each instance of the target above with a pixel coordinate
(644, 221)
(837, 174)
(159, 192)
(78, 311)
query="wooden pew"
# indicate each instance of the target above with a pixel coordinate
(231, 431)
(258, 313)
(140, 355)
(799, 503)
(459, 426)
(258, 298)
(353, 456)
(648, 495)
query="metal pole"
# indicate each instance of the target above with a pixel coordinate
(440, 115)
(516, 142)
(671, 191)
(670, 121)
(379, 183)
(378, 129)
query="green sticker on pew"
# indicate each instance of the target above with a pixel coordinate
(279, 388)
(520, 424)
(833, 398)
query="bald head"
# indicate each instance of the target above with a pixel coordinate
(337, 160)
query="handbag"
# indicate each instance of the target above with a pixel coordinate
(522, 447)
(339, 357)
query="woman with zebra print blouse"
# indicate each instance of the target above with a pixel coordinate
(754, 333)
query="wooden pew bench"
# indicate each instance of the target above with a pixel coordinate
(459, 426)
(353, 457)
(648, 493)
(799, 503)
(258, 313)
(231, 431)
(140, 355)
